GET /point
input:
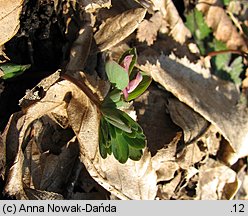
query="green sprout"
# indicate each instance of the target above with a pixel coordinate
(118, 133)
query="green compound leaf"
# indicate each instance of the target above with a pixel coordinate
(134, 58)
(223, 66)
(235, 70)
(226, 2)
(140, 89)
(221, 60)
(119, 147)
(136, 143)
(11, 70)
(196, 24)
(135, 154)
(117, 75)
(199, 29)
(113, 116)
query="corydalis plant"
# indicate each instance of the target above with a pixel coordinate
(118, 133)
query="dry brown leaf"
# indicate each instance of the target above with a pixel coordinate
(83, 116)
(170, 14)
(167, 191)
(80, 49)
(135, 179)
(193, 124)
(214, 99)
(156, 122)
(223, 28)
(213, 180)
(211, 140)
(9, 19)
(154, 24)
(117, 28)
(167, 153)
(93, 5)
(243, 192)
(190, 156)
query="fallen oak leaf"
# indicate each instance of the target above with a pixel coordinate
(218, 106)
(117, 28)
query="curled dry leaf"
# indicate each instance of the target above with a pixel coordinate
(93, 5)
(214, 99)
(135, 179)
(168, 190)
(117, 28)
(190, 156)
(214, 181)
(63, 106)
(170, 14)
(192, 123)
(9, 19)
(154, 24)
(80, 49)
(164, 162)
(222, 25)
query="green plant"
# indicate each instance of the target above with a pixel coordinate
(224, 65)
(11, 70)
(118, 133)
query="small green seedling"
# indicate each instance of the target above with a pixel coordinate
(118, 133)
(11, 70)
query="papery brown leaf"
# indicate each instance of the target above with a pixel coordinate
(219, 21)
(20, 137)
(9, 19)
(93, 5)
(167, 190)
(153, 24)
(133, 180)
(214, 99)
(80, 49)
(190, 156)
(117, 28)
(192, 123)
(170, 14)
(155, 120)
(56, 169)
(213, 178)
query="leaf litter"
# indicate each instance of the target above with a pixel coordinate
(195, 124)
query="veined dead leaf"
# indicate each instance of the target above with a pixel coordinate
(164, 162)
(192, 123)
(170, 14)
(83, 117)
(155, 23)
(222, 26)
(117, 28)
(167, 190)
(214, 99)
(9, 19)
(135, 179)
(213, 180)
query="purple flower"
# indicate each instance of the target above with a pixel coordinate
(133, 83)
